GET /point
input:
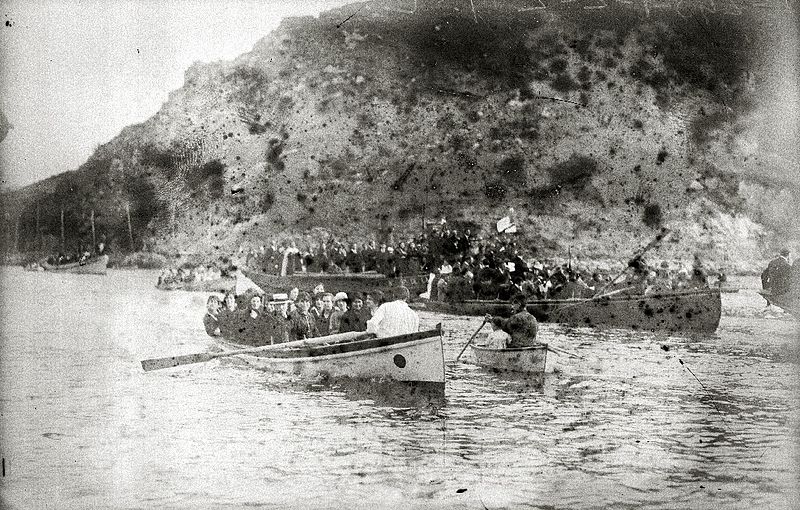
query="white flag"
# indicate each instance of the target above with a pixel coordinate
(505, 225)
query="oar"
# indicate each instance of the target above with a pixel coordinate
(187, 359)
(470, 340)
(558, 350)
(661, 235)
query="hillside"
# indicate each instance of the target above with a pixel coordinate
(595, 129)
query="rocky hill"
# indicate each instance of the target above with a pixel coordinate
(367, 121)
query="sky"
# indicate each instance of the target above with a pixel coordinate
(74, 73)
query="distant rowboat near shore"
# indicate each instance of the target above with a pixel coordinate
(691, 310)
(97, 266)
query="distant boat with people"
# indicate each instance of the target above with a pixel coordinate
(92, 265)
(687, 310)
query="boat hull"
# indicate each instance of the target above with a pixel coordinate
(94, 266)
(789, 302)
(343, 282)
(418, 357)
(676, 311)
(525, 360)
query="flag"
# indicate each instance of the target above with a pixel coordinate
(505, 225)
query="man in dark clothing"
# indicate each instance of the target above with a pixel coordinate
(301, 324)
(356, 317)
(777, 277)
(210, 320)
(521, 326)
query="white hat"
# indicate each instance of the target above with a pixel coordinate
(280, 299)
(340, 296)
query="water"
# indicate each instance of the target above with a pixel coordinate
(626, 427)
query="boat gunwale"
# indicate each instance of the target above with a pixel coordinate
(599, 299)
(510, 349)
(326, 357)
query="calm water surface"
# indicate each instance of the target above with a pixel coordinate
(629, 426)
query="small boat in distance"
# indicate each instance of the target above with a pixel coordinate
(415, 357)
(97, 265)
(525, 360)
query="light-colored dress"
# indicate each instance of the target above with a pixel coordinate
(497, 339)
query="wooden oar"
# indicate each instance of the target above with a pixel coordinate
(470, 340)
(661, 235)
(558, 350)
(187, 359)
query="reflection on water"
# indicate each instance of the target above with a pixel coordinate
(627, 426)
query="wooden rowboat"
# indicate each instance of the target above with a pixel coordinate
(694, 310)
(415, 357)
(340, 282)
(92, 266)
(528, 360)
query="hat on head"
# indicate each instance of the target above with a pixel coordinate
(340, 296)
(279, 299)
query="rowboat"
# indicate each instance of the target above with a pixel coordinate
(789, 301)
(691, 310)
(528, 360)
(220, 285)
(92, 266)
(337, 282)
(415, 357)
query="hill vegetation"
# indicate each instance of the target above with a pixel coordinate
(597, 130)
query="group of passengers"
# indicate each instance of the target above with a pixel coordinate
(256, 319)
(488, 279)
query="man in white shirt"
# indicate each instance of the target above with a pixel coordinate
(394, 317)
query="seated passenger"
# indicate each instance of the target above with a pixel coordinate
(339, 309)
(228, 316)
(301, 323)
(355, 319)
(497, 339)
(210, 320)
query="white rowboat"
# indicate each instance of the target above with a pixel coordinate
(417, 357)
(529, 360)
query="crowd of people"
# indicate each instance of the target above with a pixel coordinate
(472, 267)
(255, 319)
(183, 275)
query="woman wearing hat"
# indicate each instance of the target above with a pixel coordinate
(339, 308)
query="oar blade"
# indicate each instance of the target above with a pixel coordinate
(174, 361)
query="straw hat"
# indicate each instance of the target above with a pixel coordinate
(340, 296)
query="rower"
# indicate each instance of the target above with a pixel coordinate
(521, 326)
(394, 317)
